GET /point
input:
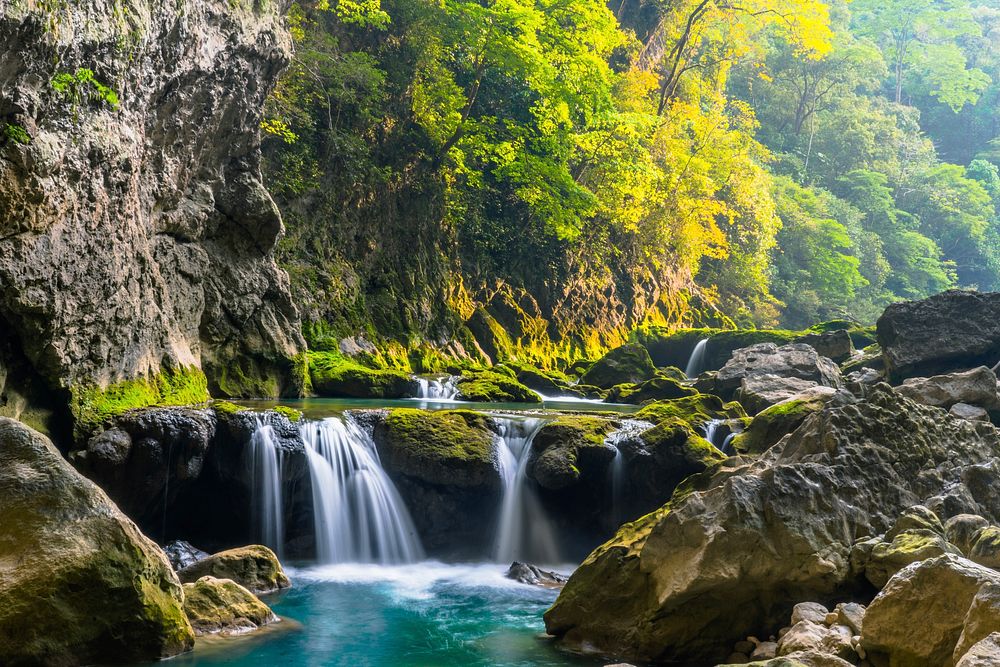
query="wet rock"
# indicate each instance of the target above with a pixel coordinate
(535, 576)
(629, 364)
(223, 607)
(955, 330)
(570, 449)
(977, 387)
(660, 388)
(181, 554)
(254, 567)
(337, 376)
(79, 584)
(751, 538)
(986, 653)
(943, 589)
(490, 387)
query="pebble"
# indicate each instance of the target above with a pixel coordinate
(831, 618)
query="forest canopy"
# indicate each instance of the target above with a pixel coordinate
(797, 160)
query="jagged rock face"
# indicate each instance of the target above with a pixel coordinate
(751, 539)
(954, 330)
(135, 233)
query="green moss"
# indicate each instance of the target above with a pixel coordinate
(16, 133)
(93, 406)
(661, 387)
(222, 606)
(629, 364)
(227, 408)
(335, 375)
(569, 448)
(293, 415)
(693, 410)
(462, 435)
(491, 387)
(771, 425)
(674, 348)
(246, 378)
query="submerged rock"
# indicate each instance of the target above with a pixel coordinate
(223, 607)
(954, 330)
(535, 576)
(629, 364)
(743, 544)
(79, 584)
(254, 567)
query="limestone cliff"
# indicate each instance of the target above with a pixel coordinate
(136, 239)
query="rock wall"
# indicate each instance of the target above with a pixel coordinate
(135, 234)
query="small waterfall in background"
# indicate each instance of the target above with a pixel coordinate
(630, 429)
(712, 430)
(267, 507)
(444, 388)
(524, 532)
(712, 434)
(359, 515)
(697, 361)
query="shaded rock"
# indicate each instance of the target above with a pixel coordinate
(804, 659)
(810, 636)
(254, 567)
(986, 653)
(982, 619)
(181, 554)
(813, 612)
(764, 651)
(795, 361)
(777, 421)
(79, 584)
(976, 387)
(986, 547)
(955, 330)
(759, 392)
(962, 530)
(970, 412)
(745, 542)
(221, 606)
(852, 615)
(942, 589)
(674, 348)
(629, 364)
(535, 576)
(836, 345)
(569, 449)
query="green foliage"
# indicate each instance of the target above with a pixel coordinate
(16, 133)
(82, 88)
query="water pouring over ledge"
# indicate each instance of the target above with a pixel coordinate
(696, 363)
(266, 501)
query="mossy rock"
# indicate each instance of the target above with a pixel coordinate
(448, 447)
(336, 376)
(546, 382)
(293, 415)
(774, 423)
(570, 448)
(861, 336)
(674, 348)
(694, 410)
(871, 357)
(254, 567)
(662, 387)
(679, 450)
(492, 387)
(223, 607)
(628, 364)
(79, 584)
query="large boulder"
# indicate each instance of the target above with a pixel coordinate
(742, 544)
(951, 331)
(335, 375)
(79, 584)
(974, 387)
(661, 387)
(570, 450)
(254, 567)
(759, 392)
(628, 364)
(491, 387)
(777, 421)
(789, 361)
(982, 619)
(917, 535)
(936, 594)
(223, 607)
(985, 653)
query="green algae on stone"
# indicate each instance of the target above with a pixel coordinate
(222, 606)
(254, 567)
(94, 406)
(337, 376)
(453, 447)
(628, 364)
(661, 387)
(569, 448)
(774, 423)
(695, 410)
(494, 387)
(293, 415)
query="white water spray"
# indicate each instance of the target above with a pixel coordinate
(697, 361)
(267, 506)
(440, 389)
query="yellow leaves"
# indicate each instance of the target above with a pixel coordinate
(280, 129)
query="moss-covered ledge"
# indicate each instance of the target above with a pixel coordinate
(93, 406)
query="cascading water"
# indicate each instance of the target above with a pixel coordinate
(630, 429)
(359, 516)
(697, 361)
(265, 483)
(524, 532)
(712, 434)
(712, 429)
(441, 389)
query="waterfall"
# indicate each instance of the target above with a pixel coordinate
(712, 433)
(265, 484)
(629, 430)
(726, 444)
(359, 515)
(524, 532)
(697, 361)
(711, 430)
(442, 388)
